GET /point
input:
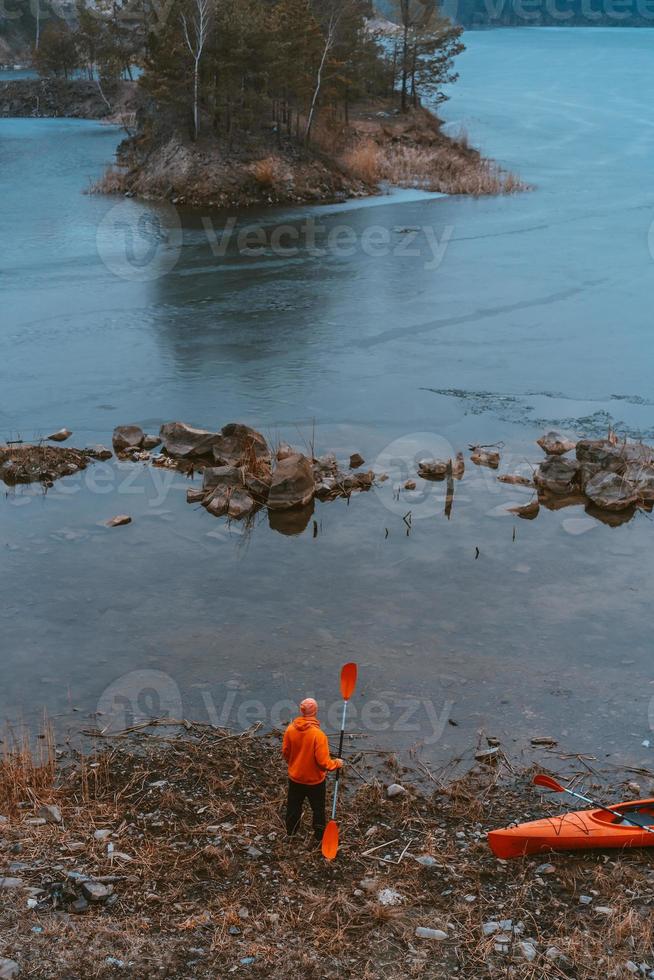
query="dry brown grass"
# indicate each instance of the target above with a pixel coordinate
(113, 181)
(271, 172)
(448, 167)
(185, 809)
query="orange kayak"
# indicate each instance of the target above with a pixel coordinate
(577, 831)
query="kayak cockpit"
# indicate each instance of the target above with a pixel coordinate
(628, 814)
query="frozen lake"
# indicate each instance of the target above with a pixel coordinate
(477, 321)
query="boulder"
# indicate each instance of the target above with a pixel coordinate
(218, 502)
(554, 444)
(610, 491)
(185, 442)
(127, 437)
(557, 475)
(239, 444)
(642, 480)
(293, 483)
(603, 453)
(284, 451)
(222, 476)
(433, 469)
(240, 504)
(258, 486)
(60, 436)
(151, 442)
(194, 495)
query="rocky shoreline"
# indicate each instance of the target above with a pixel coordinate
(165, 855)
(242, 475)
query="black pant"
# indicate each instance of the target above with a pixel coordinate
(297, 794)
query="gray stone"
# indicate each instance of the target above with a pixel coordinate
(222, 476)
(185, 442)
(8, 969)
(603, 910)
(427, 861)
(603, 453)
(424, 932)
(292, 485)
(554, 444)
(545, 869)
(254, 852)
(127, 437)
(557, 475)
(610, 491)
(240, 505)
(102, 834)
(490, 928)
(395, 790)
(585, 900)
(527, 950)
(95, 891)
(238, 444)
(151, 442)
(9, 884)
(50, 812)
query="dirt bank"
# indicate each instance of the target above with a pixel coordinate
(166, 856)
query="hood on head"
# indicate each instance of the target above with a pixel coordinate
(303, 724)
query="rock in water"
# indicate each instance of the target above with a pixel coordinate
(151, 442)
(240, 504)
(483, 457)
(356, 460)
(557, 475)
(127, 437)
(184, 442)
(458, 466)
(120, 521)
(514, 480)
(610, 491)
(292, 483)
(221, 476)
(60, 436)
(642, 480)
(602, 453)
(433, 469)
(240, 445)
(555, 444)
(528, 511)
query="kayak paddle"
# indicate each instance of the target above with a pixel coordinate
(549, 783)
(330, 836)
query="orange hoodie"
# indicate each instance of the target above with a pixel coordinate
(306, 749)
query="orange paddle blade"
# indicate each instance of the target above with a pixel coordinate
(348, 680)
(330, 841)
(549, 783)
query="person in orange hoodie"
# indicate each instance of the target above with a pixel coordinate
(306, 750)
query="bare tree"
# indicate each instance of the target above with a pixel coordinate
(331, 34)
(195, 35)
